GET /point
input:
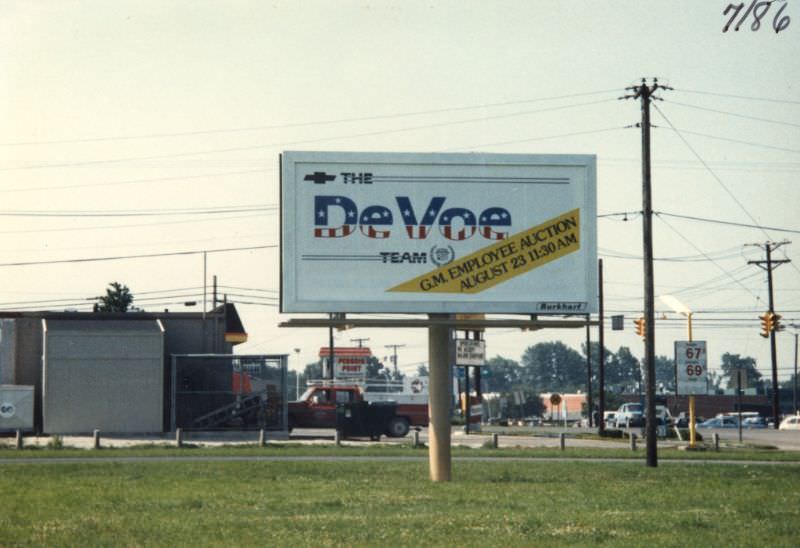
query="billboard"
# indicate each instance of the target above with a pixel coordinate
(438, 233)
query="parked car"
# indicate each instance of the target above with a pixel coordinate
(790, 423)
(629, 414)
(682, 420)
(720, 422)
(610, 418)
(754, 422)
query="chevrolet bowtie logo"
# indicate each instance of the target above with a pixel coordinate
(319, 177)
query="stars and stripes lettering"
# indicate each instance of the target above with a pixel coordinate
(338, 217)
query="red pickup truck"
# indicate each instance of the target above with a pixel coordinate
(316, 408)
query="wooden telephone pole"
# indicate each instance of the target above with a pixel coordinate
(769, 265)
(644, 93)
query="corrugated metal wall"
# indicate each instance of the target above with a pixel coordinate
(107, 375)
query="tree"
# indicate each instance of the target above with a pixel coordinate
(665, 373)
(553, 367)
(422, 370)
(732, 362)
(312, 372)
(504, 375)
(715, 382)
(627, 374)
(118, 298)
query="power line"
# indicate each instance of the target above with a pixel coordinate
(629, 215)
(714, 175)
(272, 305)
(292, 143)
(749, 98)
(719, 255)
(145, 256)
(135, 225)
(737, 141)
(736, 114)
(273, 298)
(719, 164)
(135, 181)
(142, 213)
(306, 124)
(729, 223)
(249, 289)
(688, 241)
(517, 141)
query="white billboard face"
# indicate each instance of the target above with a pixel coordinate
(438, 233)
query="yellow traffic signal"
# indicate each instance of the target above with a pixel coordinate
(641, 327)
(770, 322)
(766, 324)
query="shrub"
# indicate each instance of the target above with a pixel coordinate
(56, 442)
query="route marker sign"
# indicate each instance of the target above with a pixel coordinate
(691, 361)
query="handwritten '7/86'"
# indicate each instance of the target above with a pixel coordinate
(758, 9)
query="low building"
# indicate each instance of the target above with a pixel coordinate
(570, 406)
(99, 365)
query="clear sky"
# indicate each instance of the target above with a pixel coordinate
(146, 106)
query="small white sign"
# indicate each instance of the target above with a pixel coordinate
(692, 364)
(7, 410)
(470, 352)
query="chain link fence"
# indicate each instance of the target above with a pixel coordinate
(229, 392)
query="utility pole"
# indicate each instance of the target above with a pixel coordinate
(394, 356)
(645, 94)
(769, 265)
(359, 341)
(794, 388)
(589, 402)
(602, 365)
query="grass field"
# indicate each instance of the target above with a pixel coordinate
(393, 503)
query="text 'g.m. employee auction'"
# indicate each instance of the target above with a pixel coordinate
(504, 260)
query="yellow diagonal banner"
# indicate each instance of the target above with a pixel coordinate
(504, 260)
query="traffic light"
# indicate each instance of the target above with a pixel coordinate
(770, 322)
(641, 328)
(766, 324)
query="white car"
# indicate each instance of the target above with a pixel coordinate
(629, 414)
(790, 423)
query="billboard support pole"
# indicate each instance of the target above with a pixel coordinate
(439, 400)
